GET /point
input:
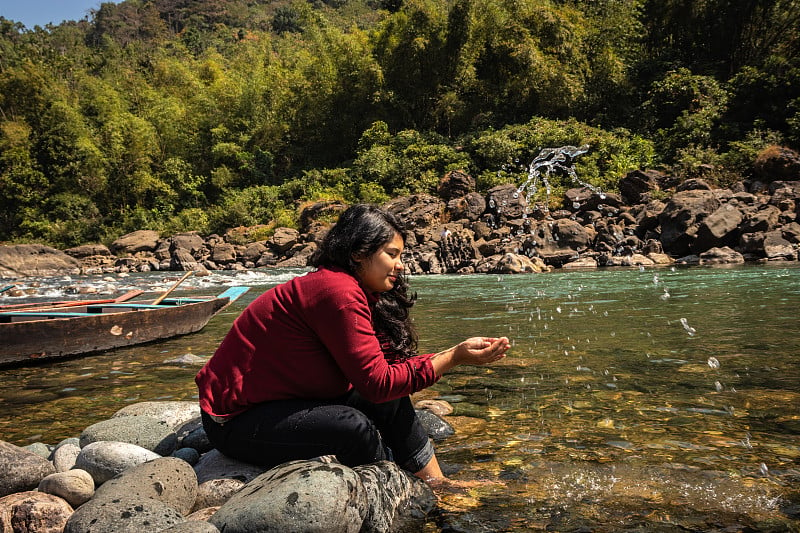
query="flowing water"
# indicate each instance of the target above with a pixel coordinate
(631, 400)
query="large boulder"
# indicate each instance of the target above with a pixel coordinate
(105, 459)
(681, 218)
(123, 516)
(636, 186)
(455, 184)
(777, 163)
(397, 501)
(137, 241)
(172, 414)
(145, 431)
(35, 260)
(469, 207)
(168, 480)
(20, 469)
(309, 496)
(418, 211)
(283, 239)
(33, 512)
(718, 229)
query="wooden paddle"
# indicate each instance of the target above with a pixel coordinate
(6, 288)
(161, 298)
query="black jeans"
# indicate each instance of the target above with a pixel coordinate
(353, 429)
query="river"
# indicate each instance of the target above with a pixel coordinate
(653, 399)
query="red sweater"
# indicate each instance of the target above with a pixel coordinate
(311, 337)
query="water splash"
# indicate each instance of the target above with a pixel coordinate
(550, 161)
(689, 329)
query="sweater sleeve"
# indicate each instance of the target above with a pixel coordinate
(345, 327)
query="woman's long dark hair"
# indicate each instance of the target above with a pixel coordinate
(360, 232)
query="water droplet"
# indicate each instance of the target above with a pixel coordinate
(515, 195)
(718, 386)
(713, 362)
(576, 205)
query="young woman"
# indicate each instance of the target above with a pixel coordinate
(325, 363)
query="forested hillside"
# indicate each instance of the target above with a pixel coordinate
(202, 115)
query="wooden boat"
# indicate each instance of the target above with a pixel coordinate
(30, 335)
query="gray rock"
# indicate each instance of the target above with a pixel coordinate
(397, 499)
(75, 486)
(39, 448)
(215, 465)
(723, 255)
(137, 241)
(190, 455)
(20, 469)
(88, 250)
(776, 247)
(682, 216)
(105, 459)
(283, 239)
(182, 260)
(173, 414)
(64, 456)
(33, 512)
(168, 480)
(35, 260)
(718, 229)
(195, 438)
(125, 516)
(215, 492)
(299, 496)
(192, 526)
(436, 427)
(455, 184)
(145, 431)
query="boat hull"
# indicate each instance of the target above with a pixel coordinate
(35, 340)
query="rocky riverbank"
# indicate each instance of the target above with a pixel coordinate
(655, 219)
(150, 468)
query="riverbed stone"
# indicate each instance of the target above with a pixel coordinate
(123, 516)
(436, 427)
(136, 241)
(76, 486)
(144, 431)
(398, 501)
(169, 480)
(20, 469)
(35, 260)
(64, 456)
(215, 492)
(215, 465)
(192, 526)
(189, 455)
(105, 459)
(723, 255)
(308, 496)
(170, 413)
(33, 512)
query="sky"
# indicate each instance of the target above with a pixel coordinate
(42, 12)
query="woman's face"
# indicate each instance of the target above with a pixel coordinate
(378, 272)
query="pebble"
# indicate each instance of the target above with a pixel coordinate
(95, 485)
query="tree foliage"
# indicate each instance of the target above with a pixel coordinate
(178, 115)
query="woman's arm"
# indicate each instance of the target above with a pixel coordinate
(473, 351)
